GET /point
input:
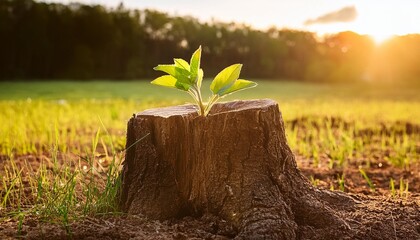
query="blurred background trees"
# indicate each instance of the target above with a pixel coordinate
(55, 41)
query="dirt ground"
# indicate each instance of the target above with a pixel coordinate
(366, 221)
(374, 210)
(380, 173)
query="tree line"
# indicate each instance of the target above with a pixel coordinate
(55, 41)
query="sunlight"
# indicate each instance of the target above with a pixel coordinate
(380, 38)
(381, 24)
(378, 34)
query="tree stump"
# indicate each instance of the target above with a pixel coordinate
(235, 163)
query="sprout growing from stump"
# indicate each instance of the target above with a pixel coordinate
(188, 77)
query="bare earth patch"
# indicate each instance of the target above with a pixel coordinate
(402, 215)
(403, 221)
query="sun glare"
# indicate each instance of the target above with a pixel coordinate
(380, 38)
(382, 24)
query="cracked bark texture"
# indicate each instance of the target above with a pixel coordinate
(235, 163)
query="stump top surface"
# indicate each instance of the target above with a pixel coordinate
(218, 108)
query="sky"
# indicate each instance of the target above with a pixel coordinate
(379, 18)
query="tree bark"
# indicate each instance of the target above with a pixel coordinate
(235, 163)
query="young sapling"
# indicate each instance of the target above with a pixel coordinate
(188, 77)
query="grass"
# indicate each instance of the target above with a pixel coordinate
(368, 181)
(61, 143)
(59, 188)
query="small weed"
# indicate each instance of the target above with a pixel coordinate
(314, 181)
(20, 217)
(392, 187)
(368, 181)
(341, 183)
(403, 192)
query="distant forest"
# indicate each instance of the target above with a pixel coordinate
(55, 41)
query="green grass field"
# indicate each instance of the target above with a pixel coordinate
(57, 137)
(368, 102)
(143, 90)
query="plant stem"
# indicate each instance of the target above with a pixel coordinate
(200, 101)
(193, 95)
(210, 104)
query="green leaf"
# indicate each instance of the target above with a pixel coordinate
(239, 85)
(170, 81)
(195, 64)
(181, 63)
(180, 74)
(200, 77)
(225, 78)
